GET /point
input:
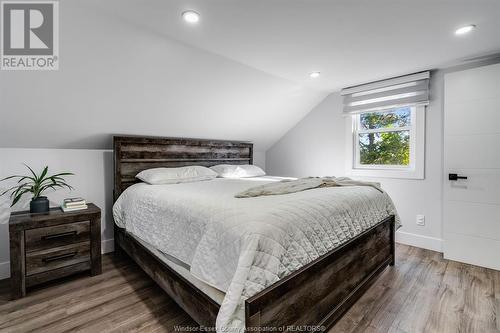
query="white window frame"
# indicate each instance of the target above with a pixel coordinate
(415, 170)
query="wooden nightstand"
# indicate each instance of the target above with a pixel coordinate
(51, 245)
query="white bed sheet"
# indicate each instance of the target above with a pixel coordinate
(242, 245)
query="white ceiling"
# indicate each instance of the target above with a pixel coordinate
(134, 67)
(119, 77)
(350, 41)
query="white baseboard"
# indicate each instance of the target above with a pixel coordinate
(107, 245)
(425, 242)
(4, 270)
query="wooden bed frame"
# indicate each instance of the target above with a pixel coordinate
(317, 294)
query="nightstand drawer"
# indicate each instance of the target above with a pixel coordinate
(46, 260)
(58, 235)
(48, 246)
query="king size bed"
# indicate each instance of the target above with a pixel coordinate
(266, 263)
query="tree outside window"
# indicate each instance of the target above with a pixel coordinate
(384, 137)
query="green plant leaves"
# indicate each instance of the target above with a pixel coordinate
(44, 172)
(33, 172)
(18, 196)
(36, 184)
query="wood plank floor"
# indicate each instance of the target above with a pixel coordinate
(421, 293)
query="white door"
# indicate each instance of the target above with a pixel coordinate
(471, 228)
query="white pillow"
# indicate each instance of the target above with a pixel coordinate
(238, 171)
(186, 174)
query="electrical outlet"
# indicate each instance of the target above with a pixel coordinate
(420, 219)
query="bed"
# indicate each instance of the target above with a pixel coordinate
(312, 291)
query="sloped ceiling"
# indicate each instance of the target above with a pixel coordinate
(349, 41)
(120, 77)
(133, 67)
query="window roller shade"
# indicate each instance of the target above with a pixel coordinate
(406, 90)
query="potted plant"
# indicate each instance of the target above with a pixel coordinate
(36, 185)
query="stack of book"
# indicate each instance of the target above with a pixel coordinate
(72, 204)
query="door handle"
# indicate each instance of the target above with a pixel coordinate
(454, 176)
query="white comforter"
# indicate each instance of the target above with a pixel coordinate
(243, 245)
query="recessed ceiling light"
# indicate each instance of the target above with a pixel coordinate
(191, 16)
(314, 74)
(465, 29)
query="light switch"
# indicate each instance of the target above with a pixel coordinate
(420, 219)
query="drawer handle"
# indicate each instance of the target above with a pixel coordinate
(62, 234)
(60, 257)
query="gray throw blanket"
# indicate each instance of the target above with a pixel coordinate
(302, 184)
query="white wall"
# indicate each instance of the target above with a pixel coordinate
(93, 180)
(317, 146)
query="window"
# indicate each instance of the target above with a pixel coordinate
(383, 138)
(388, 126)
(389, 143)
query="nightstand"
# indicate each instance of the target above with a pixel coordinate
(52, 245)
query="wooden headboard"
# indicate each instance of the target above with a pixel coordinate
(133, 154)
